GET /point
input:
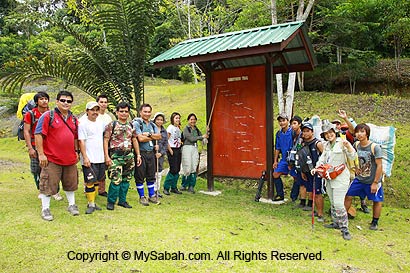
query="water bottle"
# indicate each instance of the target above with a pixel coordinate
(309, 162)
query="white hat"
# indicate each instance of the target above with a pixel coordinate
(159, 114)
(90, 105)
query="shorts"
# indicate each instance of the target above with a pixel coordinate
(283, 168)
(362, 190)
(319, 185)
(94, 173)
(53, 173)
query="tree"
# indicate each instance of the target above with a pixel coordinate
(112, 63)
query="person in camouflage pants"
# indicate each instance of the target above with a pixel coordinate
(119, 140)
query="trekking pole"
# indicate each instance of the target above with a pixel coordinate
(313, 203)
(156, 172)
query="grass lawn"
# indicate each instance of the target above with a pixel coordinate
(208, 227)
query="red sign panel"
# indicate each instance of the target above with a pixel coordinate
(239, 122)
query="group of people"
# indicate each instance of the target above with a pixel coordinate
(327, 167)
(57, 140)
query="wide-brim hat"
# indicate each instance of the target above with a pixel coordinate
(327, 126)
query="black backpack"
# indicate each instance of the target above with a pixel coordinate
(304, 161)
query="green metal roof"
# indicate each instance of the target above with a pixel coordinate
(243, 48)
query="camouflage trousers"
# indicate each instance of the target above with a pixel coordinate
(120, 173)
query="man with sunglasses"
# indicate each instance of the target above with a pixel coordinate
(56, 139)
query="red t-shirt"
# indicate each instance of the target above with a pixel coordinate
(58, 139)
(27, 119)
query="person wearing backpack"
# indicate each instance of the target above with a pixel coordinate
(315, 149)
(161, 148)
(332, 167)
(56, 138)
(368, 180)
(31, 118)
(147, 134)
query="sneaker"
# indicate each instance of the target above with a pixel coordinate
(191, 189)
(307, 208)
(320, 219)
(365, 209)
(144, 201)
(278, 198)
(110, 206)
(158, 194)
(89, 210)
(332, 225)
(299, 206)
(46, 215)
(58, 197)
(73, 209)
(97, 207)
(154, 200)
(183, 189)
(166, 192)
(176, 191)
(105, 194)
(373, 226)
(346, 235)
(125, 205)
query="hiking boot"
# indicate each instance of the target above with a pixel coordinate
(89, 210)
(57, 197)
(46, 215)
(176, 191)
(332, 225)
(73, 209)
(307, 208)
(125, 205)
(373, 226)
(320, 219)
(144, 201)
(105, 194)
(346, 235)
(154, 200)
(166, 192)
(278, 198)
(365, 209)
(191, 189)
(110, 206)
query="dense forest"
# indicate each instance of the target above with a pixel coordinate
(93, 44)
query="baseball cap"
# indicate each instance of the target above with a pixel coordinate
(90, 105)
(336, 121)
(307, 125)
(282, 115)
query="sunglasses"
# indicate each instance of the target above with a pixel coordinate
(64, 100)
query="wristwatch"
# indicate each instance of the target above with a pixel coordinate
(149, 134)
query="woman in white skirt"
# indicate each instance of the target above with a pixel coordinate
(190, 155)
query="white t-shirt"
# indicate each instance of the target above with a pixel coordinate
(174, 139)
(105, 118)
(92, 133)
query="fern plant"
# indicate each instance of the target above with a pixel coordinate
(113, 65)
